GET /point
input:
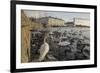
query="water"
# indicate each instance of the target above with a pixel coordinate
(84, 30)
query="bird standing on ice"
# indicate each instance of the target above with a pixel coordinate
(44, 49)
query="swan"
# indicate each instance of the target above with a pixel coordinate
(44, 49)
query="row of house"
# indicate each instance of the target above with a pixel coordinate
(52, 21)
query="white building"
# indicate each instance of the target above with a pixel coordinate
(51, 21)
(81, 22)
(78, 22)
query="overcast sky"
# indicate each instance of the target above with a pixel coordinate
(66, 16)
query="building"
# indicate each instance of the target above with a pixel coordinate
(26, 27)
(81, 22)
(78, 22)
(51, 21)
(69, 24)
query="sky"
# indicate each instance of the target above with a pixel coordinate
(66, 16)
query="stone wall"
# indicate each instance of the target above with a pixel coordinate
(26, 27)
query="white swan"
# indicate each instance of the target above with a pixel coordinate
(44, 49)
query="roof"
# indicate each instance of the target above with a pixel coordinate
(82, 18)
(52, 17)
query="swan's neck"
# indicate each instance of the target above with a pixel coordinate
(44, 40)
